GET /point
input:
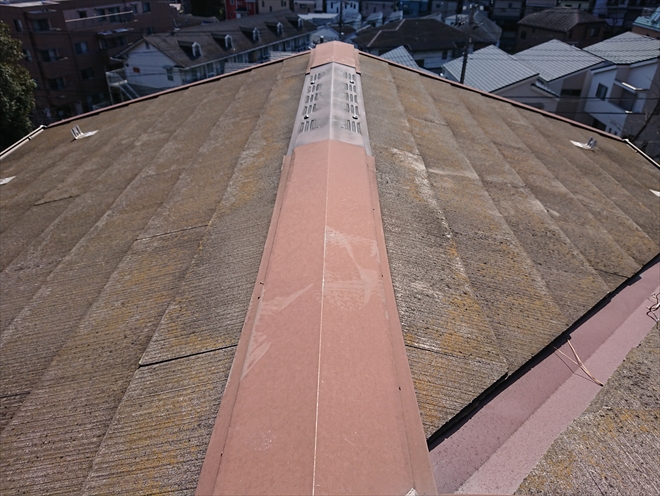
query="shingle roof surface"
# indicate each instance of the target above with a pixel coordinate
(620, 429)
(627, 48)
(561, 19)
(416, 34)
(128, 259)
(555, 59)
(490, 69)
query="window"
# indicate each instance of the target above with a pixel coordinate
(87, 74)
(136, 70)
(229, 42)
(81, 48)
(49, 55)
(56, 83)
(170, 75)
(196, 50)
(28, 55)
(41, 25)
(150, 30)
(567, 92)
(146, 7)
(593, 32)
(263, 4)
(134, 8)
(122, 41)
(255, 35)
(601, 91)
(114, 14)
(100, 13)
(279, 28)
(523, 35)
(18, 24)
(147, 45)
(82, 14)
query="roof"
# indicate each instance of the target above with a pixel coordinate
(561, 19)
(627, 48)
(418, 35)
(649, 20)
(129, 258)
(483, 29)
(210, 37)
(620, 428)
(555, 59)
(490, 69)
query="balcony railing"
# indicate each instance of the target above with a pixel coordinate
(100, 21)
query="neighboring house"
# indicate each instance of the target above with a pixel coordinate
(431, 42)
(350, 9)
(444, 8)
(495, 71)
(372, 6)
(304, 6)
(532, 6)
(621, 14)
(481, 29)
(413, 7)
(266, 6)
(69, 45)
(623, 96)
(235, 9)
(648, 23)
(159, 62)
(402, 56)
(325, 34)
(566, 71)
(573, 26)
(207, 292)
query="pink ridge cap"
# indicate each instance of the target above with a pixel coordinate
(321, 394)
(334, 51)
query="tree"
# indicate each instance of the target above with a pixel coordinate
(16, 85)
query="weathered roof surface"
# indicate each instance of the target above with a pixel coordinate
(627, 48)
(613, 446)
(561, 19)
(418, 35)
(555, 59)
(500, 232)
(211, 37)
(128, 259)
(490, 69)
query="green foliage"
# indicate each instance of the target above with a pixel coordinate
(16, 85)
(209, 8)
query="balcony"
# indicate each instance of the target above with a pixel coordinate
(101, 21)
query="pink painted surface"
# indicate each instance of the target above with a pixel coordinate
(334, 51)
(494, 451)
(322, 401)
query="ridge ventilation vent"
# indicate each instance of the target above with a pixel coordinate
(307, 126)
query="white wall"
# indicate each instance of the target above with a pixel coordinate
(525, 92)
(152, 65)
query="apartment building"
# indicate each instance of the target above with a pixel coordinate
(70, 44)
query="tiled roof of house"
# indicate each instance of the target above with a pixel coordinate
(211, 37)
(627, 48)
(129, 259)
(490, 69)
(561, 19)
(415, 34)
(555, 59)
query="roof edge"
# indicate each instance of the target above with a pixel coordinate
(171, 90)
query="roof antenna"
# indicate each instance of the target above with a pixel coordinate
(78, 134)
(589, 145)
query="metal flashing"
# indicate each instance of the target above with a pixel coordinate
(320, 397)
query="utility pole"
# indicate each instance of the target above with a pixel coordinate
(469, 41)
(341, 17)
